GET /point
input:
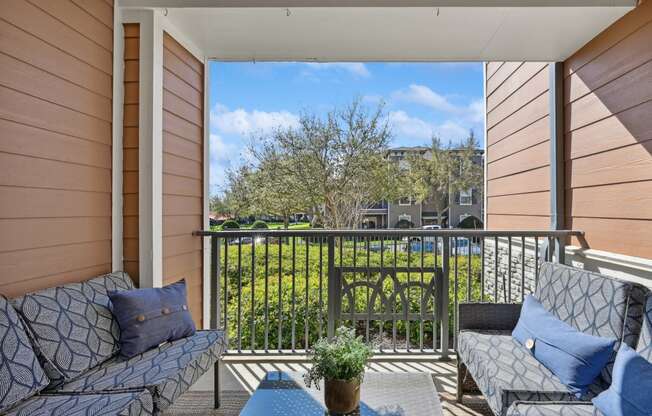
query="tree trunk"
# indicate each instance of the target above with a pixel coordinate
(286, 221)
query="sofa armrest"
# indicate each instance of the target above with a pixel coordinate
(488, 316)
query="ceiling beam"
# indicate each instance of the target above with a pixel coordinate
(371, 3)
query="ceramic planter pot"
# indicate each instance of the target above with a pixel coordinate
(341, 396)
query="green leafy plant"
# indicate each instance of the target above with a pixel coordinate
(230, 225)
(342, 358)
(259, 225)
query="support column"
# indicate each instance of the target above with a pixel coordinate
(557, 173)
(150, 150)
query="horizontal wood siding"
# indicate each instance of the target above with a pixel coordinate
(183, 121)
(518, 146)
(608, 136)
(130, 150)
(56, 63)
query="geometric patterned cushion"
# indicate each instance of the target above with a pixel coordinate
(110, 404)
(21, 375)
(506, 372)
(645, 343)
(589, 302)
(552, 409)
(167, 371)
(72, 324)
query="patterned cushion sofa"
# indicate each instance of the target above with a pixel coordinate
(490, 360)
(60, 356)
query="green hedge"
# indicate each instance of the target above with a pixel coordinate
(259, 225)
(230, 225)
(313, 312)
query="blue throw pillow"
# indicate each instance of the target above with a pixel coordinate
(574, 357)
(149, 317)
(630, 393)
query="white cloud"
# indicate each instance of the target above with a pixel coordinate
(355, 68)
(476, 111)
(420, 94)
(245, 123)
(416, 129)
(221, 154)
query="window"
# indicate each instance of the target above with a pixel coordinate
(405, 201)
(405, 217)
(466, 197)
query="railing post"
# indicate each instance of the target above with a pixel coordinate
(332, 288)
(216, 301)
(443, 311)
(560, 250)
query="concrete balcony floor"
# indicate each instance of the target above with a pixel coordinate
(241, 375)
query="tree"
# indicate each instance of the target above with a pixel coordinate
(238, 198)
(217, 205)
(442, 172)
(276, 192)
(335, 165)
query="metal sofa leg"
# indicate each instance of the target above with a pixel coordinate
(216, 385)
(461, 376)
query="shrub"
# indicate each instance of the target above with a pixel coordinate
(230, 225)
(259, 225)
(304, 296)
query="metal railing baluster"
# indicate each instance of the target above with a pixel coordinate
(226, 287)
(482, 269)
(253, 292)
(239, 294)
(306, 318)
(280, 294)
(394, 299)
(496, 270)
(321, 286)
(522, 268)
(509, 270)
(294, 294)
(266, 294)
(369, 307)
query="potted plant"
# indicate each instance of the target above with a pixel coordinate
(340, 363)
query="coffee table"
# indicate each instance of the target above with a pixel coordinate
(381, 394)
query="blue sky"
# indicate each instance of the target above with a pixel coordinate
(421, 99)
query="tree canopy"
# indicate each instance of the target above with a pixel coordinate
(443, 172)
(331, 167)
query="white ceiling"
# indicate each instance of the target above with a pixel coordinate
(393, 33)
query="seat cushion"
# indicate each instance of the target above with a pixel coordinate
(590, 302)
(166, 371)
(506, 372)
(21, 375)
(552, 409)
(644, 347)
(72, 325)
(133, 403)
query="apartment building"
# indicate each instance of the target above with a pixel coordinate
(408, 212)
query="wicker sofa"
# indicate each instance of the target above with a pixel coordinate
(59, 350)
(506, 373)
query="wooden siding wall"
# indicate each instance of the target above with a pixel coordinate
(518, 146)
(183, 138)
(56, 62)
(130, 149)
(608, 139)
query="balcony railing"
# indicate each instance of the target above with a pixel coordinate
(279, 291)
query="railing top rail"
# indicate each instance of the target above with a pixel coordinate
(388, 233)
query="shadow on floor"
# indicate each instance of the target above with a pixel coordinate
(240, 376)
